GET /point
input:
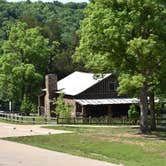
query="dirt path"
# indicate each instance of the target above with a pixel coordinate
(12, 130)
(15, 154)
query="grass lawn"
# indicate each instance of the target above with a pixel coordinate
(116, 145)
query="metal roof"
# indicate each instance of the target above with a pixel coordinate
(107, 101)
(78, 82)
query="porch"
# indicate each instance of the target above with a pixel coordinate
(104, 107)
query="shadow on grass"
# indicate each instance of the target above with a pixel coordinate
(159, 133)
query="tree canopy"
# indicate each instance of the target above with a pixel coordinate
(57, 22)
(25, 55)
(127, 37)
(36, 38)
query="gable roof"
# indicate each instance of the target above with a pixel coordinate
(78, 82)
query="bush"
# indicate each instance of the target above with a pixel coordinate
(160, 108)
(62, 109)
(27, 106)
(133, 112)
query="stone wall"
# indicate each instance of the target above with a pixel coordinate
(72, 103)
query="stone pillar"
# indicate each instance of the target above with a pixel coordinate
(74, 109)
(51, 87)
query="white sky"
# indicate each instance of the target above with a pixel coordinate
(64, 1)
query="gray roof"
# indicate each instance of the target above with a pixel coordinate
(107, 101)
(78, 82)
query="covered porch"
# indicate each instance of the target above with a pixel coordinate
(104, 107)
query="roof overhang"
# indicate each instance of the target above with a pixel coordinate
(107, 101)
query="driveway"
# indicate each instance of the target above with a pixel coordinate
(12, 130)
(15, 154)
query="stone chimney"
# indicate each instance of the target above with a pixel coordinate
(51, 87)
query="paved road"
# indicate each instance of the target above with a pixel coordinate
(15, 154)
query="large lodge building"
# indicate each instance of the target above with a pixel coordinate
(88, 95)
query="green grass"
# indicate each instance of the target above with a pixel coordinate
(114, 145)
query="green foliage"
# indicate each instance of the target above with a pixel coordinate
(62, 109)
(160, 108)
(29, 45)
(23, 62)
(129, 84)
(133, 112)
(27, 106)
(35, 39)
(125, 37)
(56, 22)
(128, 37)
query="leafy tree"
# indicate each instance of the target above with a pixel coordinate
(30, 46)
(57, 22)
(26, 106)
(17, 79)
(24, 60)
(127, 37)
(38, 37)
(133, 112)
(62, 109)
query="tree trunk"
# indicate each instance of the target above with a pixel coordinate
(152, 111)
(144, 109)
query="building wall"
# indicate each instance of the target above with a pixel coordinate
(104, 89)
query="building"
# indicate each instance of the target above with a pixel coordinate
(89, 95)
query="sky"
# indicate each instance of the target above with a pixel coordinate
(64, 1)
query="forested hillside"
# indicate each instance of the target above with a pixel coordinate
(35, 39)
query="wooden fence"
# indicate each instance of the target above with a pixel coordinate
(98, 121)
(27, 119)
(91, 121)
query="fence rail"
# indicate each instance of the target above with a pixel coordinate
(109, 121)
(95, 121)
(103, 121)
(27, 119)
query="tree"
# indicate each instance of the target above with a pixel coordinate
(26, 106)
(24, 61)
(55, 21)
(127, 37)
(29, 45)
(62, 109)
(18, 80)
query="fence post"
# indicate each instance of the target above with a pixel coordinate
(22, 119)
(17, 119)
(13, 118)
(33, 119)
(45, 119)
(89, 120)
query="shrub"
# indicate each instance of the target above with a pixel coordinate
(133, 112)
(62, 109)
(27, 106)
